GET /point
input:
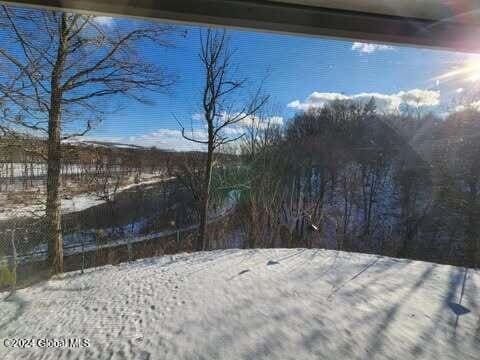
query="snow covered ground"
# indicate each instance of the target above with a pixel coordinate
(252, 304)
(78, 202)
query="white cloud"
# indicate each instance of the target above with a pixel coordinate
(197, 117)
(276, 120)
(260, 122)
(233, 131)
(385, 103)
(418, 97)
(370, 48)
(167, 139)
(104, 20)
(172, 139)
(316, 99)
(475, 105)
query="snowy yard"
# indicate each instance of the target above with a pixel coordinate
(252, 304)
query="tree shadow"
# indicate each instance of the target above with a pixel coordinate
(67, 289)
(239, 274)
(456, 279)
(200, 259)
(458, 308)
(362, 270)
(20, 305)
(473, 300)
(380, 332)
(318, 335)
(295, 254)
(367, 288)
(267, 333)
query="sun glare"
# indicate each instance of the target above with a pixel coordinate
(469, 71)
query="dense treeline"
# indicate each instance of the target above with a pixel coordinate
(346, 177)
(342, 176)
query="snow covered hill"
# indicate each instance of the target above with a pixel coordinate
(252, 304)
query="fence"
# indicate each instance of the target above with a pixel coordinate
(26, 265)
(24, 259)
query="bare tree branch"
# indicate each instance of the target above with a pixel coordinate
(216, 58)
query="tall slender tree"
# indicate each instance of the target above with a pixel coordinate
(58, 69)
(220, 110)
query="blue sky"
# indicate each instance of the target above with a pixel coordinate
(302, 72)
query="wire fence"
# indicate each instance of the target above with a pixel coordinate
(24, 247)
(22, 258)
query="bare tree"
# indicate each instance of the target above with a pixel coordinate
(187, 169)
(260, 130)
(57, 67)
(220, 110)
(107, 177)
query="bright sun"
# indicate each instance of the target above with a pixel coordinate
(470, 71)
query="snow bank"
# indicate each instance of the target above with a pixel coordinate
(253, 304)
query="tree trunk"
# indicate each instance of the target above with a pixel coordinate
(202, 240)
(53, 213)
(55, 241)
(407, 215)
(472, 228)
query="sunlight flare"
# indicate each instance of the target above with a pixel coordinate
(469, 72)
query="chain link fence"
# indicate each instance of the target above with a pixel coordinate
(24, 249)
(24, 244)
